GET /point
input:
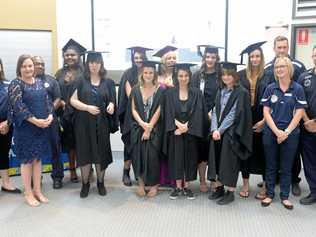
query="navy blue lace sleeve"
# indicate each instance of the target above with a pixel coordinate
(18, 110)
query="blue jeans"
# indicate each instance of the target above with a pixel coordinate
(279, 157)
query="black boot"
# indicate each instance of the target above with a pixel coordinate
(101, 189)
(227, 198)
(218, 193)
(126, 178)
(84, 190)
(309, 200)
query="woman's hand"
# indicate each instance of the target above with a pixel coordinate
(4, 127)
(258, 127)
(146, 135)
(94, 110)
(216, 135)
(110, 108)
(310, 125)
(281, 136)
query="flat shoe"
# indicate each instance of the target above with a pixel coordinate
(15, 191)
(244, 194)
(287, 206)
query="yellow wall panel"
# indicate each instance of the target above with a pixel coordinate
(31, 15)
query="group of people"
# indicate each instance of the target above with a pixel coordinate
(176, 126)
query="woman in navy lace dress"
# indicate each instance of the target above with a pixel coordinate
(31, 114)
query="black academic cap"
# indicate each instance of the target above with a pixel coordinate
(149, 63)
(138, 49)
(185, 66)
(164, 50)
(250, 49)
(207, 49)
(229, 65)
(74, 45)
(94, 56)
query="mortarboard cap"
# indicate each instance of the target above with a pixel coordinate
(164, 50)
(229, 65)
(250, 49)
(74, 45)
(207, 49)
(138, 49)
(149, 63)
(95, 56)
(185, 66)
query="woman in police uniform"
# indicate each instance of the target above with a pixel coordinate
(284, 103)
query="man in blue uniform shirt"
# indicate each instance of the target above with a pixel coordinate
(53, 90)
(308, 81)
(281, 48)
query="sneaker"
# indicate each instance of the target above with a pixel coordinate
(188, 193)
(175, 193)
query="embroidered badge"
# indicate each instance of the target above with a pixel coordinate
(274, 98)
(307, 83)
(46, 84)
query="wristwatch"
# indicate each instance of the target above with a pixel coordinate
(287, 131)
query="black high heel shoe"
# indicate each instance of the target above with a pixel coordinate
(101, 189)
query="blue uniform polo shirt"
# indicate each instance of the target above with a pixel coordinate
(283, 104)
(308, 81)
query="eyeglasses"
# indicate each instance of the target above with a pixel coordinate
(280, 66)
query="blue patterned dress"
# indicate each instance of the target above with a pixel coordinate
(25, 101)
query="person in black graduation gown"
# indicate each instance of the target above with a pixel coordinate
(143, 123)
(94, 109)
(206, 79)
(66, 76)
(184, 112)
(255, 81)
(128, 81)
(231, 134)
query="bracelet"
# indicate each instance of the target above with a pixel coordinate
(287, 131)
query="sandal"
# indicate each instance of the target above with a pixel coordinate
(40, 197)
(244, 193)
(152, 192)
(287, 204)
(31, 200)
(203, 188)
(266, 202)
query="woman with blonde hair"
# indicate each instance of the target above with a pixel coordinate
(283, 107)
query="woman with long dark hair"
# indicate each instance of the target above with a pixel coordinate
(128, 81)
(93, 112)
(206, 79)
(184, 111)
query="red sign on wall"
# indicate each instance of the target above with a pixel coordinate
(302, 36)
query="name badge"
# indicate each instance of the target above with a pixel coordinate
(46, 84)
(288, 94)
(274, 98)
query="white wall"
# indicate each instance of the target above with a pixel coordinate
(120, 24)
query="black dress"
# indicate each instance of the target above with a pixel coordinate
(145, 154)
(182, 150)
(236, 142)
(92, 132)
(208, 84)
(255, 164)
(65, 115)
(5, 140)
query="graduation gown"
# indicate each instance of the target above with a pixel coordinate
(66, 114)
(256, 162)
(182, 150)
(236, 141)
(210, 90)
(93, 132)
(145, 154)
